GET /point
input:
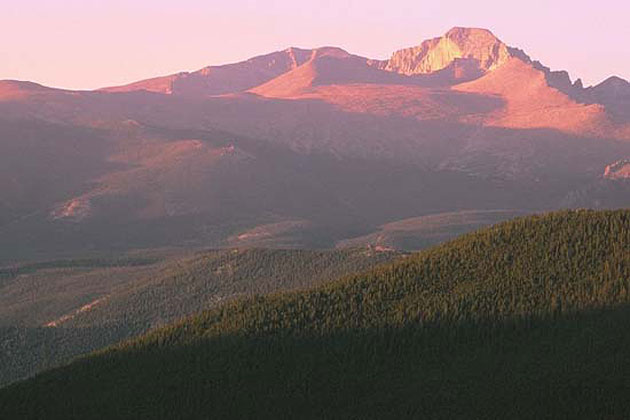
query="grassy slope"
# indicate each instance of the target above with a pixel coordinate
(133, 295)
(524, 319)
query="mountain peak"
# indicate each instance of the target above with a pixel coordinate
(614, 82)
(330, 52)
(614, 88)
(465, 34)
(473, 45)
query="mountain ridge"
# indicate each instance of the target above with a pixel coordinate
(457, 44)
(320, 144)
(469, 52)
(461, 55)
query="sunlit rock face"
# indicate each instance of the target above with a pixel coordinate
(478, 46)
(618, 170)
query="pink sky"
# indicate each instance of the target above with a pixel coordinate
(86, 44)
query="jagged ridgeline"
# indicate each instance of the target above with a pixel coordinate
(527, 319)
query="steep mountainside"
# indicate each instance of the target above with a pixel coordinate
(522, 320)
(530, 102)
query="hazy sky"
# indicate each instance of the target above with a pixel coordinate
(95, 43)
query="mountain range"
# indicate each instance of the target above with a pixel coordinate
(306, 148)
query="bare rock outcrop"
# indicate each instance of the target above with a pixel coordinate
(618, 170)
(472, 45)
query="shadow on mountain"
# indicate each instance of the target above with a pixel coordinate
(25, 350)
(572, 365)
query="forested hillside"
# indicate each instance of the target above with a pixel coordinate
(522, 320)
(51, 312)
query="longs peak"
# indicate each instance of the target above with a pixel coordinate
(473, 45)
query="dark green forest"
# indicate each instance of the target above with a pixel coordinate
(135, 294)
(526, 319)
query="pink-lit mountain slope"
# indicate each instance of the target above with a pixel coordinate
(214, 80)
(306, 148)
